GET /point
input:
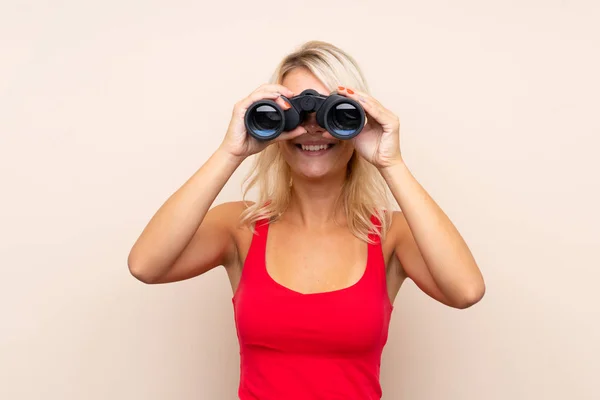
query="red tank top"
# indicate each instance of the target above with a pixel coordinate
(324, 345)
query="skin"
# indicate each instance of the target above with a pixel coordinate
(186, 237)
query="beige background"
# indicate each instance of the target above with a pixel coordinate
(107, 107)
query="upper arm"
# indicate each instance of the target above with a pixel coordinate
(212, 245)
(411, 261)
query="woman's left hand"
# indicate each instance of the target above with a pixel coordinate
(379, 141)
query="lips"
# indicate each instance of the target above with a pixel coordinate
(314, 147)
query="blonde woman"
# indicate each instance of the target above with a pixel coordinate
(316, 262)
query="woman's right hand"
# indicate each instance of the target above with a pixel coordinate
(237, 142)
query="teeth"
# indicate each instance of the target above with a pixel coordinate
(314, 147)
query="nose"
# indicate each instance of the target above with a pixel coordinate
(310, 124)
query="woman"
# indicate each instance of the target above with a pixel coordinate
(316, 263)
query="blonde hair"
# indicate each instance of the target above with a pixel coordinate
(364, 194)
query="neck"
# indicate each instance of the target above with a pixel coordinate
(314, 203)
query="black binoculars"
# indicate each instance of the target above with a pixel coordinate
(341, 116)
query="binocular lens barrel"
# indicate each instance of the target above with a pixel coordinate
(342, 117)
(264, 120)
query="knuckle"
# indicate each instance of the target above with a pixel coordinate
(239, 106)
(270, 87)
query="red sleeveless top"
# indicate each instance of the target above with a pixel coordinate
(325, 345)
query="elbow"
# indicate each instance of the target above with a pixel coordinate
(470, 295)
(139, 270)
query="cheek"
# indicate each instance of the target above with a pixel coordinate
(286, 150)
(346, 152)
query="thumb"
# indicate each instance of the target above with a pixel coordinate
(294, 133)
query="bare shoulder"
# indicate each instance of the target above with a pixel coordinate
(403, 245)
(230, 210)
(397, 228)
(215, 243)
(396, 234)
(228, 215)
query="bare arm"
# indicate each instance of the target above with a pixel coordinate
(183, 238)
(430, 248)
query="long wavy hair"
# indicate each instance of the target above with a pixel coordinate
(364, 194)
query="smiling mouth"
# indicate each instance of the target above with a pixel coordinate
(314, 148)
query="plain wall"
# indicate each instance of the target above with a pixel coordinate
(108, 107)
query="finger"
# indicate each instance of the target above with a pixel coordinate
(358, 95)
(262, 95)
(274, 87)
(283, 103)
(273, 92)
(294, 133)
(242, 106)
(370, 104)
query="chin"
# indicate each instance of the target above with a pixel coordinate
(312, 173)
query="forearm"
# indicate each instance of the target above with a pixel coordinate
(443, 249)
(174, 224)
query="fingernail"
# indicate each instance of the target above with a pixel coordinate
(286, 106)
(341, 88)
(350, 91)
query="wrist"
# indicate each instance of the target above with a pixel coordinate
(229, 157)
(390, 166)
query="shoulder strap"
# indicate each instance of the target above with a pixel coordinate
(376, 257)
(255, 258)
(260, 228)
(256, 252)
(377, 222)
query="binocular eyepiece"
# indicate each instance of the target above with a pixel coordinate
(341, 116)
